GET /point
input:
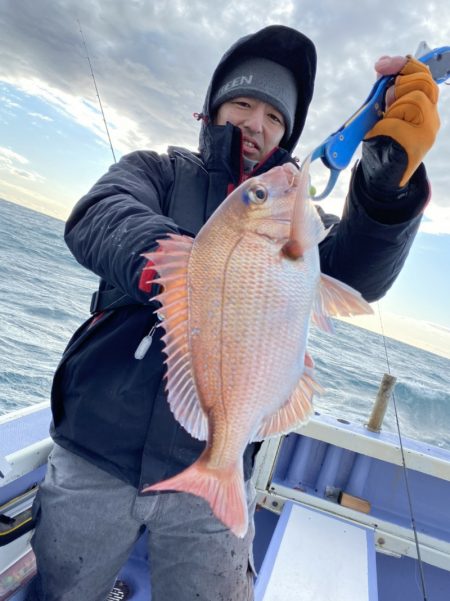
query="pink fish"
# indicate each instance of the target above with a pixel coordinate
(236, 307)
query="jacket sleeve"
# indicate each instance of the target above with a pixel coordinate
(368, 247)
(120, 218)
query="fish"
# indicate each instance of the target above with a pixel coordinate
(236, 305)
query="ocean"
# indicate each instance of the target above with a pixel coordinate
(45, 295)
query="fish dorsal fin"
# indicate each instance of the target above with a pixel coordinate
(171, 262)
(336, 298)
(296, 411)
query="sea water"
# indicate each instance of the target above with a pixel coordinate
(45, 295)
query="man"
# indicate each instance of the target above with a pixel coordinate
(112, 426)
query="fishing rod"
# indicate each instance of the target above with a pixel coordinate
(111, 305)
(404, 468)
(96, 90)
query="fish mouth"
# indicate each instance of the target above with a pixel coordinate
(283, 180)
(283, 221)
(292, 174)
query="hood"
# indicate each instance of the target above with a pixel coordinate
(285, 46)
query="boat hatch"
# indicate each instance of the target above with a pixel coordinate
(306, 545)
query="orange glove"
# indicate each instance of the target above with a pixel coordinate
(411, 119)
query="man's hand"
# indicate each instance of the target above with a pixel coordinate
(411, 120)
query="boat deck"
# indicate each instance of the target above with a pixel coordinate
(333, 520)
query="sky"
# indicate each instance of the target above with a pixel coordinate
(152, 61)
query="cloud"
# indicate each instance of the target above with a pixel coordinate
(423, 334)
(437, 220)
(40, 117)
(28, 175)
(8, 157)
(8, 103)
(8, 163)
(83, 112)
(32, 199)
(153, 61)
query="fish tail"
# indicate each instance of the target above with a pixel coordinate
(224, 491)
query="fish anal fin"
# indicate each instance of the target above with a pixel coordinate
(171, 261)
(296, 412)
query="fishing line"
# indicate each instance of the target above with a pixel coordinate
(405, 471)
(96, 91)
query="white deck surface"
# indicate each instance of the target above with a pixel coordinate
(315, 557)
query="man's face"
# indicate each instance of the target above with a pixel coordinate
(261, 124)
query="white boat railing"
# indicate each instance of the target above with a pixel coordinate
(390, 537)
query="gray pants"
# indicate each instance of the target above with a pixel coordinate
(88, 522)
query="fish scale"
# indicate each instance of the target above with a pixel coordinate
(256, 314)
(236, 308)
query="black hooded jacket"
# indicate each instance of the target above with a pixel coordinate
(109, 406)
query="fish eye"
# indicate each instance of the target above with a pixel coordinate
(257, 194)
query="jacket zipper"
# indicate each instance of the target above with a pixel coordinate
(144, 344)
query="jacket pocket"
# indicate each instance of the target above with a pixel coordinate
(88, 328)
(83, 333)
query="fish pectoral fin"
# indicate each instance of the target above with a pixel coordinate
(295, 412)
(336, 298)
(171, 262)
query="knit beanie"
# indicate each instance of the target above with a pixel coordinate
(263, 79)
